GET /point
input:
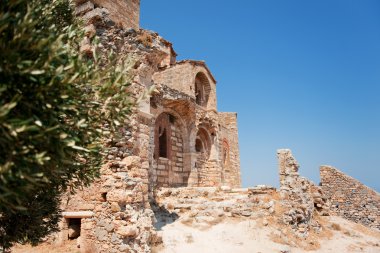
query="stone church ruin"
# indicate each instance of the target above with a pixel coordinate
(176, 145)
(175, 138)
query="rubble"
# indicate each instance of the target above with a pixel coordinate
(205, 206)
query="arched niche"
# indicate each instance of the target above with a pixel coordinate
(202, 89)
(225, 153)
(203, 143)
(225, 160)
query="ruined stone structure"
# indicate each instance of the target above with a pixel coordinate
(300, 196)
(175, 138)
(194, 145)
(338, 194)
(350, 198)
(124, 13)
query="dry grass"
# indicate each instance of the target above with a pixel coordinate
(367, 231)
(145, 39)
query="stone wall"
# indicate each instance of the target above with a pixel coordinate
(301, 198)
(115, 214)
(181, 77)
(125, 13)
(168, 171)
(350, 198)
(229, 154)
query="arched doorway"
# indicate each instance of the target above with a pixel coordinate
(168, 157)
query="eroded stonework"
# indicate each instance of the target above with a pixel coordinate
(350, 198)
(175, 138)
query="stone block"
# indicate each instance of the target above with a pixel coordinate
(93, 16)
(86, 207)
(83, 8)
(128, 231)
(101, 234)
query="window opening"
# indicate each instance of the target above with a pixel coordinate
(74, 226)
(198, 146)
(163, 145)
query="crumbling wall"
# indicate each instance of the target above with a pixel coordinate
(295, 193)
(121, 219)
(114, 213)
(350, 198)
(125, 13)
(300, 197)
(229, 149)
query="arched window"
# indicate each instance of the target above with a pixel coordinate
(162, 136)
(198, 146)
(163, 144)
(225, 153)
(202, 89)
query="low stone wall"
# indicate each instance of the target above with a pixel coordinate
(350, 198)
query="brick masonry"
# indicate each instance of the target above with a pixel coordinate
(350, 198)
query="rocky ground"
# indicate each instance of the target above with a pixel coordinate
(241, 221)
(250, 236)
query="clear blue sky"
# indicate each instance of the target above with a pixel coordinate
(303, 75)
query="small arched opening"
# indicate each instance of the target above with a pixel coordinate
(225, 160)
(202, 148)
(202, 89)
(162, 136)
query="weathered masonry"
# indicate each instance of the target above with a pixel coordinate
(194, 145)
(175, 138)
(350, 198)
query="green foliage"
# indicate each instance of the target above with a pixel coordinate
(53, 104)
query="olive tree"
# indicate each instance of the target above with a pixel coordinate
(52, 107)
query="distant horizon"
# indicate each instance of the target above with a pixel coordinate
(300, 75)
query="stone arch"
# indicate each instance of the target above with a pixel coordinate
(202, 89)
(168, 168)
(203, 142)
(181, 123)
